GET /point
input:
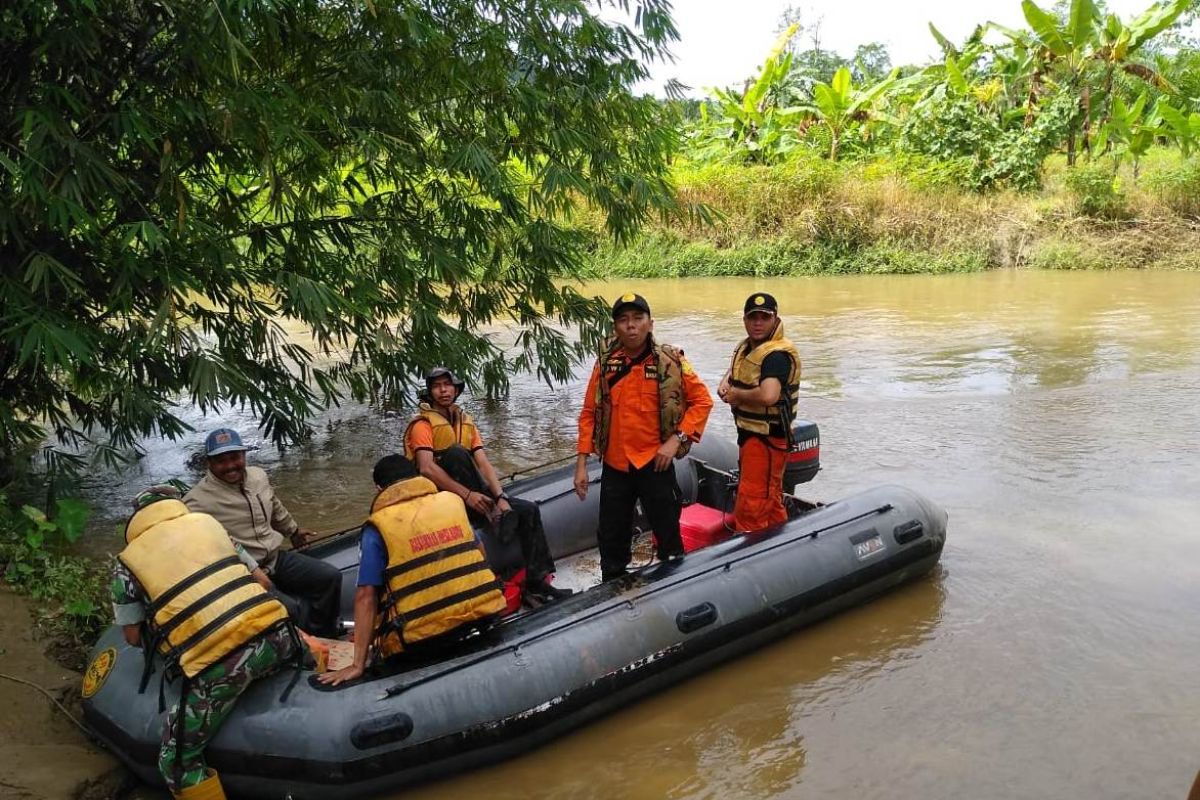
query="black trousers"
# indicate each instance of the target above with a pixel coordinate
(619, 493)
(523, 523)
(310, 590)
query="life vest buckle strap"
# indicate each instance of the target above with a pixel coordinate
(164, 631)
(297, 657)
(191, 580)
(233, 612)
(429, 558)
(149, 644)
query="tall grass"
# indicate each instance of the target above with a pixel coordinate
(905, 214)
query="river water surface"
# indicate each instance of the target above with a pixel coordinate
(1054, 652)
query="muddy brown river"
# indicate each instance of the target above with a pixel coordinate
(1054, 652)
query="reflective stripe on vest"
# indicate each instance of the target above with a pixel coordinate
(671, 402)
(436, 577)
(746, 373)
(203, 603)
(446, 434)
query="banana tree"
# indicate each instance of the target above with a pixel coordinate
(754, 124)
(1130, 130)
(1118, 43)
(1184, 128)
(1069, 54)
(958, 76)
(839, 104)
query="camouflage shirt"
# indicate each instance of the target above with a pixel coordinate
(128, 598)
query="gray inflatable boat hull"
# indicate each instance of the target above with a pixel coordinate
(539, 674)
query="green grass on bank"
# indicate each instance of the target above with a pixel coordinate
(69, 590)
(810, 216)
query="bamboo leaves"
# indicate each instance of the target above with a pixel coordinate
(174, 185)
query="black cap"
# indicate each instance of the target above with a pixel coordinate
(627, 300)
(445, 372)
(760, 301)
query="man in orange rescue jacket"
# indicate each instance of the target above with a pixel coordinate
(644, 407)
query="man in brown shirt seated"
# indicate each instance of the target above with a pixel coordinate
(242, 500)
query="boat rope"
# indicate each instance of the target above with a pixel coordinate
(324, 537)
(535, 467)
(399, 688)
(51, 698)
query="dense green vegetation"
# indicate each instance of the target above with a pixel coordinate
(898, 214)
(71, 590)
(1070, 144)
(1083, 81)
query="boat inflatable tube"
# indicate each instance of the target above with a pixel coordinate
(538, 674)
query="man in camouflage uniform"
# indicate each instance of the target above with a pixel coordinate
(213, 693)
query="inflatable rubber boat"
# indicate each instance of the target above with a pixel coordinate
(536, 674)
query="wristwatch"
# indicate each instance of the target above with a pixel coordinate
(682, 437)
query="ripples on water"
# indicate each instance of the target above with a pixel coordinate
(1052, 654)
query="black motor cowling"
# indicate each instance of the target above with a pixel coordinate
(804, 455)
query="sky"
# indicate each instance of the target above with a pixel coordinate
(723, 42)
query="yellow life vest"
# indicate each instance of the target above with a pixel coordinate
(671, 401)
(446, 433)
(203, 602)
(436, 577)
(746, 373)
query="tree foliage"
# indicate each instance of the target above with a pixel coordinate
(752, 125)
(188, 190)
(999, 104)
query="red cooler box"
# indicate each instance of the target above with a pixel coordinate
(701, 525)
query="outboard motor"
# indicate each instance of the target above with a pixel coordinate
(804, 455)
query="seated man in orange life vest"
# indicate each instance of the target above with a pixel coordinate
(444, 443)
(399, 583)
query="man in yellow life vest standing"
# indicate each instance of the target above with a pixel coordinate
(761, 387)
(643, 408)
(444, 442)
(419, 563)
(181, 587)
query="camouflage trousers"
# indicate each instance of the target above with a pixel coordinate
(211, 696)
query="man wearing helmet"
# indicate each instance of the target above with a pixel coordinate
(444, 442)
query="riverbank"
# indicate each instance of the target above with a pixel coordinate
(43, 756)
(809, 216)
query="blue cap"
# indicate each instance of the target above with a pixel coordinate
(223, 440)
